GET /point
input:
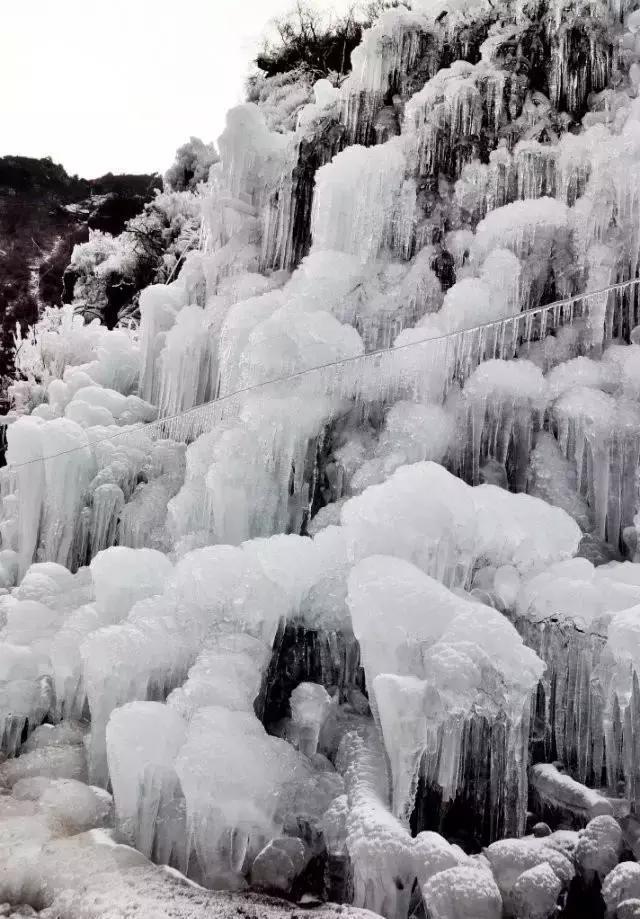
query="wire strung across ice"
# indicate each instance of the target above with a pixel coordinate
(417, 368)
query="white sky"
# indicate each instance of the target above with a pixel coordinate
(117, 85)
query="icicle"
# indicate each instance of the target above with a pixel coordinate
(108, 501)
(384, 57)
(502, 402)
(143, 740)
(418, 701)
(159, 305)
(183, 365)
(357, 198)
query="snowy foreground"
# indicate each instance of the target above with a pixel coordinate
(324, 583)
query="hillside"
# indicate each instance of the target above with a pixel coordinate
(44, 213)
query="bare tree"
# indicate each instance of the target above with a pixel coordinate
(319, 44)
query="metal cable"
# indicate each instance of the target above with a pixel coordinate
(342, 361)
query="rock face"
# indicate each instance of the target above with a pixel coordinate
(44, 213)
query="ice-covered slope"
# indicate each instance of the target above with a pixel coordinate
(315, 564)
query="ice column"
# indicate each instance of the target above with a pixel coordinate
(143, 740)
(358, 198)
(310, 704)
(25, 450)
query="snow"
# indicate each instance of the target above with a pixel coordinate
(511, 862)
(462, 891)
(559, 790)
(598, 848)
(621, 884)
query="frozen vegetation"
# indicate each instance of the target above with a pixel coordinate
(322, 581)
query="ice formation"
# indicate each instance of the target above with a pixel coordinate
(423, 698)
(329, 570)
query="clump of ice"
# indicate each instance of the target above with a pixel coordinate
(427, 669)
(461, 891)
(310, 704)
(512, 860)
(429, 517)
(357, 199)
(143, 740)
(574, 590)
(232, 774)
(412, 433)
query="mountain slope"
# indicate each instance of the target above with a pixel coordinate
(44, 213)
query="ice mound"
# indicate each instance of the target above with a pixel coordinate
(325, 96)
(34, 616)
(52, 486)
(230, 813)
(64, 762)
(208, 589)
(576, 591)
(487, 524)
(536, 231)
(552, 477)
(412, 433)
(97, 405)
(310, 704)
(290, 341)
(513, 862)
(227, 672)
(143, 739)
(617, 671)
(566, 614)
(428, 673)
(73, 353)
(73, 496)
(387, 48)
(47, 632)
(462, 891)
(184, 364)
(501, 404)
